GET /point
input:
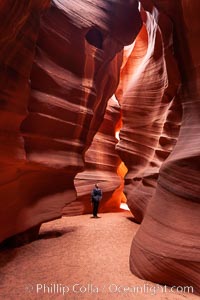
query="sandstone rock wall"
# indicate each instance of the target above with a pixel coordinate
(166, 249)
(18, 34)
(59, 66)
(55, 87)
(101, 165)
(148, 84)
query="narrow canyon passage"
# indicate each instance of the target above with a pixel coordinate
(85, 258)
(107, 92)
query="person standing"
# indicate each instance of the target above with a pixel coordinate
(96, 197)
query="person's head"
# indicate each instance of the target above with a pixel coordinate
(96, 185)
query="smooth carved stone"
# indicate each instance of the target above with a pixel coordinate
(141, 190)
(101, 165)
(166, 249)
(150, 74)
(18, 35)
(51, 115)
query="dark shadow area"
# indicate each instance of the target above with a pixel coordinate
(94, 37)
(52, 234)
(8, 250)
(21, 239)
(132, 219)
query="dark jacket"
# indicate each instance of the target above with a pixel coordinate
(96, 194)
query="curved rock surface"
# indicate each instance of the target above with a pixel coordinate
(51, 120)
(149, 82)
(58, 69)
(166, 249)
(17, 45)
(101, 165)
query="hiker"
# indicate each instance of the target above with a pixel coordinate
(96, 197)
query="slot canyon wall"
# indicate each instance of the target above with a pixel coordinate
(19, 29)
(59, 67)
(101, 165)
(150, 128)
(159, 142)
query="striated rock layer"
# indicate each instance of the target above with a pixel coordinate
(149, 82)
(166, 248)
(49, 122)
(101, 165)
(18, 34)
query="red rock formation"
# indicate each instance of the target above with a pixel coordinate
(53, 103)
(18, 34)
(75, 71)
(141, 190)
(145, 189)
(101, 165)
(146, 88)
(166, 249)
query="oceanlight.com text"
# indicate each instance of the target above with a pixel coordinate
(112, 288)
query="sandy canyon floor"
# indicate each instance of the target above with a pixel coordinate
(79, 258)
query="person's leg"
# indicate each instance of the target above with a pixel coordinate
(95, 210)
(97, 206)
